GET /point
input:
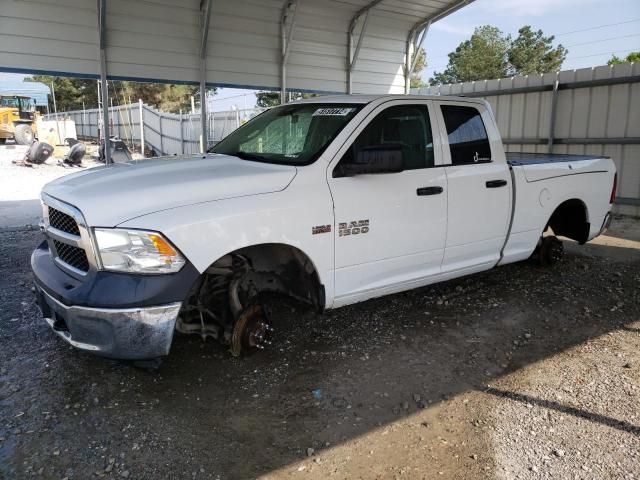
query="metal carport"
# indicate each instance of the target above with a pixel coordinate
(348, 46)
(36, 90)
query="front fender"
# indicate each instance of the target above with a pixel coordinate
(206, 232)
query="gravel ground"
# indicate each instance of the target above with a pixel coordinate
(519, 372)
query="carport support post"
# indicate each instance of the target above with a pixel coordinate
(552, 120)
(414, 44)
(285, 40)
(140, 109)
(205, 10)
(103, 79)
(352, 57)
(415, 40)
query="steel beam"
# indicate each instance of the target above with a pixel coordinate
(552, 120)
(603, 82)
(102, 42)
(285, 42)
(205, 11)
(352, 57)
(417, 35)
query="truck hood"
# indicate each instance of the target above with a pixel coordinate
(110, 195)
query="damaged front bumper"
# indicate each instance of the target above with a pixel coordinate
(131, 333)
(115, 315)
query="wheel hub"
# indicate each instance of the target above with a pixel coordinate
(252, 330)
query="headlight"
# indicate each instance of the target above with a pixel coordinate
(136, 251)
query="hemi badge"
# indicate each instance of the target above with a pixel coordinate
(320, 229)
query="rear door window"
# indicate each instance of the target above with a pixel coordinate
(468, 141)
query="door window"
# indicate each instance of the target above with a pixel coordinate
(403, 126)
(468, 141)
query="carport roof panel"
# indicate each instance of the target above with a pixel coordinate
(36, 90)
(159, 40)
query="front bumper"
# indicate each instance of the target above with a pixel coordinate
(128, 333)
(116, 315)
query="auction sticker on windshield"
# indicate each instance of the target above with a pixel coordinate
(341, 112)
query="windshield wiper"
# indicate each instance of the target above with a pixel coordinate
(249, 156)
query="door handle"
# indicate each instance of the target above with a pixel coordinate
(496, 183)
(429, 191)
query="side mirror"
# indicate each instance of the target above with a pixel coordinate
(373, 160)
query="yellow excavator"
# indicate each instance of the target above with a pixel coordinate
(18, 118)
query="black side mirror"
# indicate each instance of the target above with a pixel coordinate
(373, 160)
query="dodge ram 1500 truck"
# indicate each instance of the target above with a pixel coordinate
(330, 201)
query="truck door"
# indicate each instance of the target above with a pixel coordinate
(389, 228)
(479, 187)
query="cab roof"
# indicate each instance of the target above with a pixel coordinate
(364, 99)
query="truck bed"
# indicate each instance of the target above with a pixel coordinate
(523, 159)
(543, 166)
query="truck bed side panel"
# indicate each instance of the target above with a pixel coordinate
(541, 167)
(589, 181)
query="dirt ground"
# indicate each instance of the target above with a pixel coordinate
(516, 373)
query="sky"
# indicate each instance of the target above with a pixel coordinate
(592, 31)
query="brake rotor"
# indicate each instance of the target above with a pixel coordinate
(252, 330)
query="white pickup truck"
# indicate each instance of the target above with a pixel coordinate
(331, 201)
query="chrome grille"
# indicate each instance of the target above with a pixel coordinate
(68, 237)
(63, 222)
(73, 256)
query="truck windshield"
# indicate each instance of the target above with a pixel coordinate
(27, 104)
(11, 102)
(290, 134)
(24, 104)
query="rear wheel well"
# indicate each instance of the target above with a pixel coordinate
(570, 219)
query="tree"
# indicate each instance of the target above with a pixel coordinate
(421, 62)
(490, 54)
(532, 52)
(484, 55)
(70, 92)
(272, 99)
(633, 57)
(165, 97)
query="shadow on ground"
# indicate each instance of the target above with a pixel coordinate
(329, 380)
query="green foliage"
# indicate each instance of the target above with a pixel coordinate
(531, 52)
(490, 54)
(164, 97)
(267, 99)
(633, 57)
(72, 92)
(272, 99)
(484, 55)
(416, 79)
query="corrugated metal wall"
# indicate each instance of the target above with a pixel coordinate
(159, 40)
(166, 133)
(49, 35)
(597, 112)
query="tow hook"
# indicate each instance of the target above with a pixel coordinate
(252, 330)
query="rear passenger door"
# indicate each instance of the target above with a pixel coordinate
(479, 186)
(389, 228)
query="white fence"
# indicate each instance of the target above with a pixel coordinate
(166, 133)
(587, 111)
